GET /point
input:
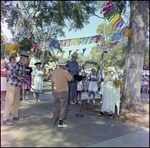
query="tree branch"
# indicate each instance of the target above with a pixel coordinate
(98, 16)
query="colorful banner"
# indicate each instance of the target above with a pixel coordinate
(108, 61)
(77, 50)
(108, 10)
(10, 48)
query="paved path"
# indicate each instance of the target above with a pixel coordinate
(89, 131)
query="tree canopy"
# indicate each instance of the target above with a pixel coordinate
(39, 20)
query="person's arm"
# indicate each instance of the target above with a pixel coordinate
(32, 79)
(107, 80)
(53, 93)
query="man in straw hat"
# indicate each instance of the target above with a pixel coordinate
(73, 68)
(60, 78)
(13, 88)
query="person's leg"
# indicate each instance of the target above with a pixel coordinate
(89, 95)
(37, 97)
(21, 94)
(80, 97)
(2, 97)
(56, 108)
(10, 95)
(63, 106)
(27, 95)
(34, 95)
(93, 98)
(110, 114)
(15, 106)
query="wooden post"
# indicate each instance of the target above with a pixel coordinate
(102, 56)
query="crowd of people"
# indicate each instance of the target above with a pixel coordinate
(145, 83)
(67, 89)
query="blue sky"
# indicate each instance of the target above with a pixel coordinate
(88, 30)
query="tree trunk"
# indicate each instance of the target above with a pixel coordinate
(131, 97)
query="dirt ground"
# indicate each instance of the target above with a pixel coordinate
(131, 117)
(141, 119)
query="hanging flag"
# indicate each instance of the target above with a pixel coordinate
(116, 17)
(73, 42)
(57, 53)
(86, 40)
(122, 23)
(117, 63)
(61, 43)
(77, 50)
(108, 7)
(93, 48)
(52, 52)
(68, 42)
(124, 28)
(102, 47)
(92, 39)
(17, 47)
(108, 61)
(118, 22)
(82, 40)
(44, 50)
(110, 15)
(113, 63)
(104, 59)
(36, 45)
(10, 48)
(63, 54)
(70, 52)
(84, 50)
(98, 38)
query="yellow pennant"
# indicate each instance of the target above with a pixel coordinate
(93, 48)
(116, 17)
(52, 51)
(51, 57)
(63, 54)
(108, 61)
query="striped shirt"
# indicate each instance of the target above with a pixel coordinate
(13, 78)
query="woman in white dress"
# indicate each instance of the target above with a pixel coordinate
(111, 95)
(37, 81)
(93, 88)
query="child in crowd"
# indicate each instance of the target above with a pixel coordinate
(92, 89)
(80, 85)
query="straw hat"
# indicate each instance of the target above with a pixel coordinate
(38, 62)
(111, 69)
(61, 61)
(75, 54)
(25, 55)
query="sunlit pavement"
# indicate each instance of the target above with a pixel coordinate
(90, 130)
